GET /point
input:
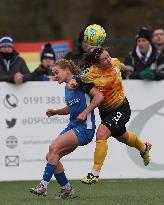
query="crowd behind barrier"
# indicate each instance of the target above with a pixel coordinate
(146, 60)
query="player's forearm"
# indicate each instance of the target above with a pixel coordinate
(95, 102)
(62, 111)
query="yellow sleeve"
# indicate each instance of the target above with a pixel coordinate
(86, 76)
(116, 63)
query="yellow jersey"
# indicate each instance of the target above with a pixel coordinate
(109, 82)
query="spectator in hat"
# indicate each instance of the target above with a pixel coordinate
(44, 71)
(13, 68)
(141, 60)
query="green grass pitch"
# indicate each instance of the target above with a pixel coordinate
(112, 192)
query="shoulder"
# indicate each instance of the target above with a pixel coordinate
(116, 63)
(36, 70)
(18, 59)
(84, 71)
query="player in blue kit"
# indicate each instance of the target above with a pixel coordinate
(79, 132)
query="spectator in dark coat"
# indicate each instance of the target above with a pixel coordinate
(44, 71)
(158, 40)
(142, 59)
(13, 68)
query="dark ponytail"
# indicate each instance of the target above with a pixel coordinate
(93, 56)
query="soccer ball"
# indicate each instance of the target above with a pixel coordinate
(94, 35)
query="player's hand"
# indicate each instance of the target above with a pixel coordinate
(72, 84)
(50, 112)
(81, 117)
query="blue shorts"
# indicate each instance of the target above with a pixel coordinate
(84, 135)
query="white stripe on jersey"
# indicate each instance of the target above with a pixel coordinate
(88, 121)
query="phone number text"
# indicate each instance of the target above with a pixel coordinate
(43, 100)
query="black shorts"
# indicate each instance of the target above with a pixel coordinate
(116, 119)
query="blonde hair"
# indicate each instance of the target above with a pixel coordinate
(74, 69)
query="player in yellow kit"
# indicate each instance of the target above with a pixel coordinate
(105, 74)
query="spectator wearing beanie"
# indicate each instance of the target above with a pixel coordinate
(141, 60)
(13, 68)
(44, 71)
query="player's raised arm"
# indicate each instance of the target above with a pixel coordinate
(62, 111)
(97, 98)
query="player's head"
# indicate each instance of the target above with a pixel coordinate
(99, 57)
(64, 70)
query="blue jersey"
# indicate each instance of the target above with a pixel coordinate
(77, 100)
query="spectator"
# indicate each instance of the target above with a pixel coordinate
(13, 68)
(158, 39)
(43, 72)
(77, 55)
(142, 59)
